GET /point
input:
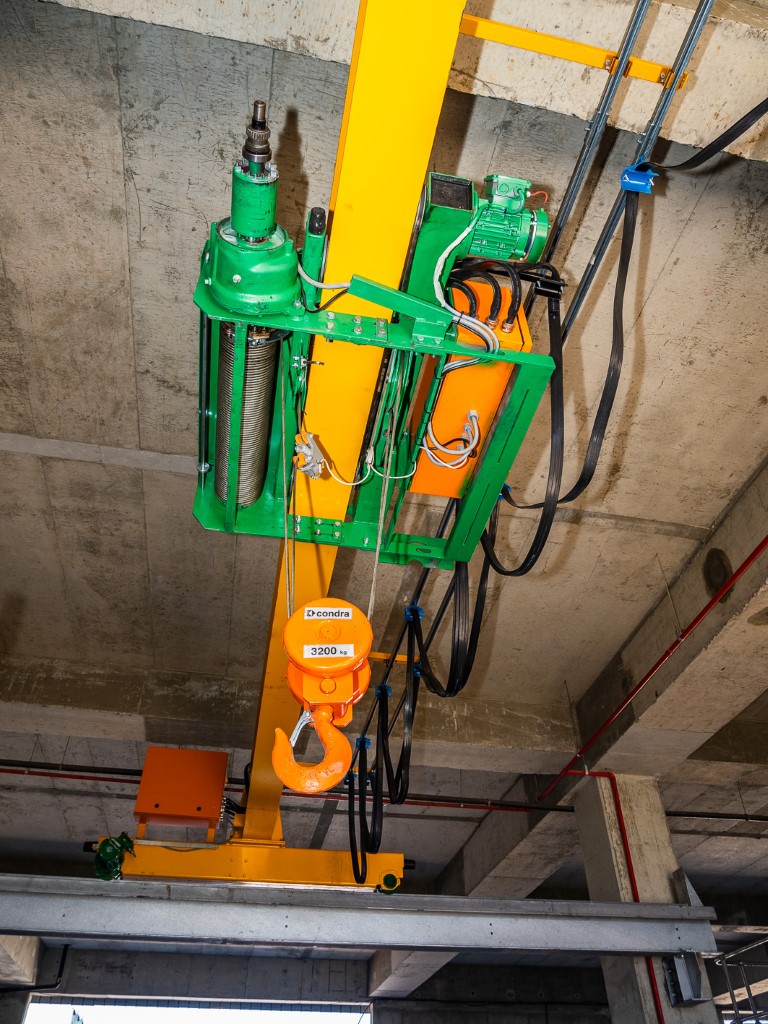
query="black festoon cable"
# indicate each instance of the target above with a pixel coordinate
(466, 623)
(465, 636)
(613, 374)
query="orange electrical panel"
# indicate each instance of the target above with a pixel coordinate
(181, 787)
(480, 388)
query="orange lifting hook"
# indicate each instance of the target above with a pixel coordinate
(327, 643)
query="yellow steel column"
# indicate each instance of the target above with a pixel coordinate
(400, 62)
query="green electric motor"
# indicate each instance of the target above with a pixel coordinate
(506, 230)
(110, 854)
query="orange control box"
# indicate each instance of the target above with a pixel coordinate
(479, 387)
(181, 787)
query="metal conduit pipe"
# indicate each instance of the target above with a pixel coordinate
(592, 139)
(645, 146)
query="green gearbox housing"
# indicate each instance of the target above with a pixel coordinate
(110, 854)
(257, 321)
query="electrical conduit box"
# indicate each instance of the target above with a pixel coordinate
(181, 787)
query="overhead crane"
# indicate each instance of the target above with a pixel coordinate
(381, 361)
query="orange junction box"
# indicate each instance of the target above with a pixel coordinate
(181, 787)
(480, 387)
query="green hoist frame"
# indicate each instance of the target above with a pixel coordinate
(247, 285)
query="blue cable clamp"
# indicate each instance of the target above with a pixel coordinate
(638, 178)
(412, 610)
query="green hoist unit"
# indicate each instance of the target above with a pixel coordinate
(258, 315)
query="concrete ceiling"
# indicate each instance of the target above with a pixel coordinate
(122, 623)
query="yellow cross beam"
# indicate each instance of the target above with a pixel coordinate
(565, 49)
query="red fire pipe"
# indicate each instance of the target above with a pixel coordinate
(694, 624)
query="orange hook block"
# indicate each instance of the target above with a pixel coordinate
(314, 778)
(327, 643)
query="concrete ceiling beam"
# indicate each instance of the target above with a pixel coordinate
(511, 855)
(395, 974)
(732, 50)
(63, 698)
(690, 699)
(703, 686)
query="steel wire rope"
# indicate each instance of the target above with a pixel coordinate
(385, 478)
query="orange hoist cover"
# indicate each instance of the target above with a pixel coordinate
(479, 387)
(327, 642)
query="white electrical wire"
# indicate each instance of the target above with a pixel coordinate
(320, 284)
(458, 463)
(349, 483)
(473, 324)
(471, 436)
(461, 456)
(404, 476)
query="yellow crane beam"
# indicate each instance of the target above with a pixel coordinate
(400, 63)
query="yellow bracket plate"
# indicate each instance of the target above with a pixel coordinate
(565, 49)
(243, 861)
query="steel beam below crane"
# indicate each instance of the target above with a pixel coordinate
(270, 917)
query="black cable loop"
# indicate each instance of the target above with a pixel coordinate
(479, 273)
(359, 859)
(613, 374)
(499, 267)
(556, 455)
(466, 291)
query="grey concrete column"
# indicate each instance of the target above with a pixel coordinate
(627, 979)
(19, 956)
(13, 1007)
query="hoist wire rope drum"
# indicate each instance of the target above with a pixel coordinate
(259, 380)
